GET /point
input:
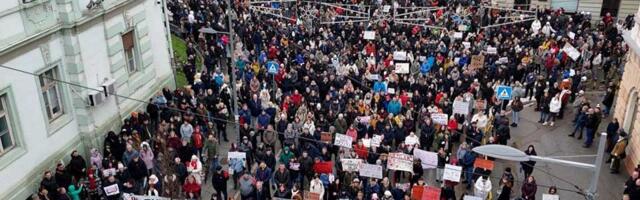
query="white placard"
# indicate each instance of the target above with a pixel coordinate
(236, 154)
(411, 141)
(399, 55)
(452, 173)
(376, 140)
(457, 35)
(386, 8)
(571, 51)
(492, 50)
(422, 58)
(469, 197)
(364, 119)
(373, 77)
(343, 141)
(112, 190)
(440, 118)
(462, 27)
(550, 197)
(402, 68)
(351, 165)
(400, 162)
(391, 90)
(571, 35)
(503, 60)
(466, 45)
(429, 160)
(369, 35)
(127, 196)
(109, 172)
(460, 107)
(369, 170)
(366, 142)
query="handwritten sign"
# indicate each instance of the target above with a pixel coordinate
(416, 192)
(571, 51)
(112, 190)
(477, 62)
(550, 197)
(373, 77)
(457, 35)
(238, 155)
(344, 141)
(411, 140)
(492, 50)
(400, 162)
(452, 173)
(369, 170)
(351, 165)
(366, 142)
(440, 118)
(461, 107)
(376, 140)
(431, 192)
(402, 68)
(369, 35)
(483, 164)
(466, 45)
(399, 55)
(326, 137)
(109, 172)
(429, 160)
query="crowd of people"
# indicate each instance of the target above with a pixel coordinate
(330, 80)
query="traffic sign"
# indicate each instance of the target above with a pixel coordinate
(272, 67)
(503, 92)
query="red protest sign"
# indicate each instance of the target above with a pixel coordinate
(483, 163)
(323, 167)
(416, 192)
(431, 193)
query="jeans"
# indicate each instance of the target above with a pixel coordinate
(468, 175)
(590, 134)
(544, 116)
(515, 117)
(579, 128)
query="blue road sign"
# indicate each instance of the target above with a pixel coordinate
(503, 92)
(272, 67)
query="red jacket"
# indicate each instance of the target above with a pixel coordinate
(361, 151)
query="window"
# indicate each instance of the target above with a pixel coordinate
(6, 136)
(130, 51)
(51, 93)
(611, 6)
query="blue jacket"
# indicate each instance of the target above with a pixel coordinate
(263, 174)
(380, 86)
(394, 107)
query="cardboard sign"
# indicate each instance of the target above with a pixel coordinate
(461, 107)
(452, 173)
(483, 164)
(477, 62)
(312, 196)
(112, 190)
(343, 140)
(369, 35)
(550, 197)
(369, 170)
(492, 50)
(127, 196)
(440, 118)
(376, 140)
(351, 165)
(400, 162)
(400, 55)
(416, 192)
(402, 68)
(429, 160)
(431, 192)
(326, 137)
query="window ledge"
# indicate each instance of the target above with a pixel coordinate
(12, 155)
(55, 125)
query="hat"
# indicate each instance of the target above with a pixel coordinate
(194, 157)
(387, 193)
(153, 179)
(218, 168)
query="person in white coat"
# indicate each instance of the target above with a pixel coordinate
(554, 109)
(535, 27)
(547, 29)
(316, 186)
(194, 167)
(482, 187)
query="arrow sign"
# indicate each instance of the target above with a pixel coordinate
(504, 92)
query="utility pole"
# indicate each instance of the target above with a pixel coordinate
(232, 76)
(167, 27)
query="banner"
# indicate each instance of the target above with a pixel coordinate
(399, 55)
(369, 170)
(112, 190)
(323, 167)
(452, 173)
(429, 160)
(416, 192)
(237, 155)
(127, 196)
(440, 118)
(469, 197)
(483, 164)
(402, 68)
(461, 107)
(431, 192)
(376, 140)
(369, 35)
(351, 165)
(400, 162)
(312, 196)
(477, 62)
(326, 137)
(343, 141)
(550, 197)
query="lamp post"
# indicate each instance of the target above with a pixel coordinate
(509, 153)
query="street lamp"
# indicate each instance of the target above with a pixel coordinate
(509, 153)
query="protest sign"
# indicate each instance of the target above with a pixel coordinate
(366, 142)
(400, 162)
(369, 35)
(391, 90)
(503, 60)
(466, 45)
(452, 173)
(326, 137)
(386, 8)
(312, 196)
(109, 172)
(127, 196)
(460, 107)
(550, 197)
(462, 27)
(344, 141)
(457, 35)
(411, 141)
(402, 68)
(483, 164)
(363, 119)
(376, 140)
(440, 118)
(112, 190)
(399, 55)
(403, 186)
(373, 77)
(429, 160)
(351, 165)
(431, 192)
(571, 51)
(369, 170)
(492, 50)
(469, 197)
(323, 167)
(477, 62)
(416, 192)
(238, 155)
(571, 35)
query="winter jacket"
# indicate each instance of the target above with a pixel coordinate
(555, 105)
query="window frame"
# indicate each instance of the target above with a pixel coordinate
(4, 113)
(46, 85)
(19, 148)
(133, 50)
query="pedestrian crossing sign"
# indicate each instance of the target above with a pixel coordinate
(503, 92)
(272, 67)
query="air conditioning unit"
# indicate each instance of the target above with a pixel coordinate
(109, 87)
(95, 98)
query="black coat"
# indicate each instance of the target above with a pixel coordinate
(137, 170)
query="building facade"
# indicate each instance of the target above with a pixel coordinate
(119, 46)
(626, 105)
(597, 8)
